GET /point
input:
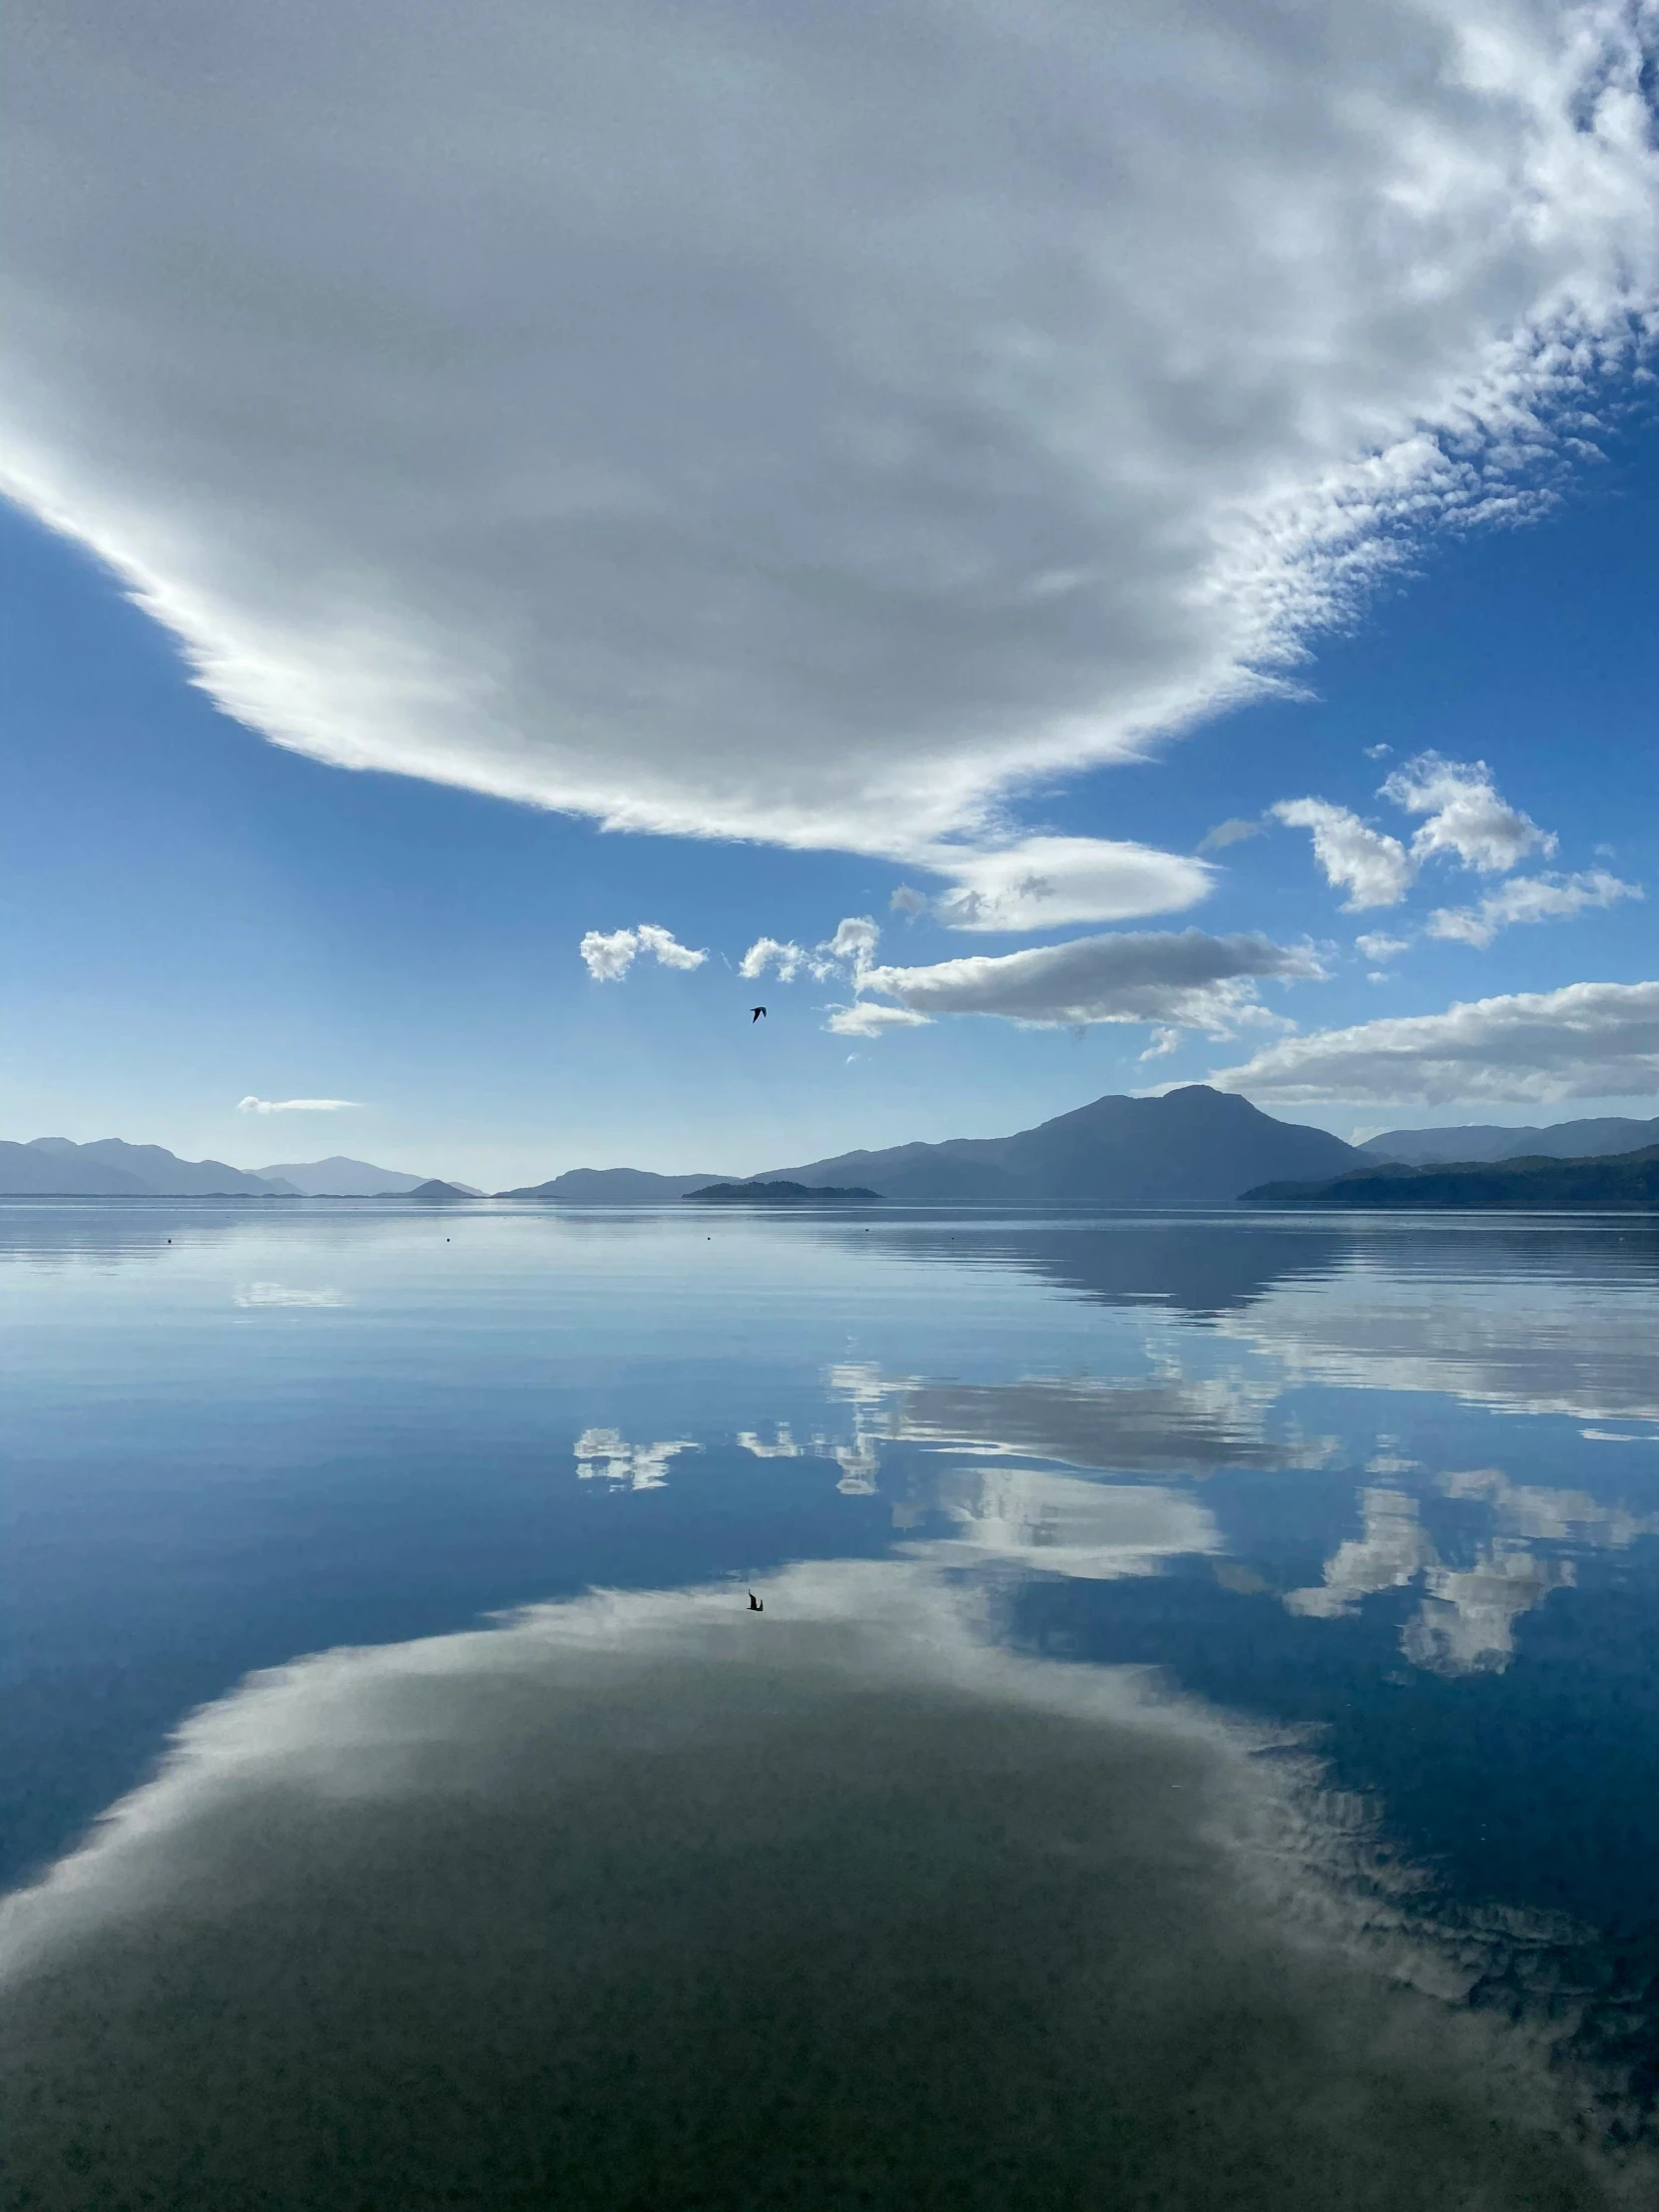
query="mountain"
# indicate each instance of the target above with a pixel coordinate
(1623, 1179)
(1192, 1147)
(778, 1194)
(611, 1187)
(56, 1167)
(338, 1177)
(1561, 1140)
(438, 1193)
(29, 1171)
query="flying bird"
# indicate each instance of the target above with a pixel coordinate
(754, 1013)
(755, 1604)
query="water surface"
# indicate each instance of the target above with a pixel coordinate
(1201, 1745)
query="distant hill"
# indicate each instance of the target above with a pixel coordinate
(52, 1167)
(1192, 1147)
(1623, 1179)
(436, 1192)
(611, 1187)
(338, 1177)
(778, 1194)
(1561, 1140)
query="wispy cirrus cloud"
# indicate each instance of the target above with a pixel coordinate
(608, 955)
(1072, 370)
(1588, 1040)
(252, 1105)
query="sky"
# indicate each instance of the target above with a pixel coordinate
(1060, 550)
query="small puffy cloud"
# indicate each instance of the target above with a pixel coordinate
(1466, 818)
(252, 1105)
(768, 952)
(609, 956)
(855, 939)
(1529, 898)
(1178, 979)
(866, 1019)
(1372, 867)
(1377, 944)
(1588, 1040)
(1048, 882)
(908, 901)
(1378, 751)
(1232, 831)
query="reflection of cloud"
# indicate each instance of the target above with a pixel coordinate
(1167, 1423)
(603, 1453)
(281, 1294)
(782, 1447)
(1393, 1550)
(1549, 1516)
(1065, 1526)
(1466, 1622)
(1539, 1342)
(414, 1883)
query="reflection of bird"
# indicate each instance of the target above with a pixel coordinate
(754, 1013)
(755, 1605)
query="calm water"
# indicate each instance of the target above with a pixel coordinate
(1200, 1748)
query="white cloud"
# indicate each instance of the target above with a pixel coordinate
(1466, 818)
(1588, 1040)
(468, 413)
(1529, 898)
(252, 1105)
(1046, 883)
(768, 952)
(1232, 831)
(1377, 944)
(1178, 979)
(908, 901)
(855, 939)
(866, 1019)
(609, 956)
(1372, 867)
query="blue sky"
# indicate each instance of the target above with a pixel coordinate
(817, 613)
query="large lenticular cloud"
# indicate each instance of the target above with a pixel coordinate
(798, 424)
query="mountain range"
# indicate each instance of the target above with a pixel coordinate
(1193, 1147)
(54, 1167)
(1479, 1140)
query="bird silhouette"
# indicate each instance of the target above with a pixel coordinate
(755, 1605)
(754, 1013)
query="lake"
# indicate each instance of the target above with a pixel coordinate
(1199, 1744)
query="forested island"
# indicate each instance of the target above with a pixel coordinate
(1625, 1178)
(781, 1194)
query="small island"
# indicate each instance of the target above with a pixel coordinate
(781, 1194)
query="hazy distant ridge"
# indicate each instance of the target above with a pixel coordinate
(54, 1167)
(1561, 1140)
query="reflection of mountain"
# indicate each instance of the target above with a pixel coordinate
(1551, 1323)
(1200, 1267)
